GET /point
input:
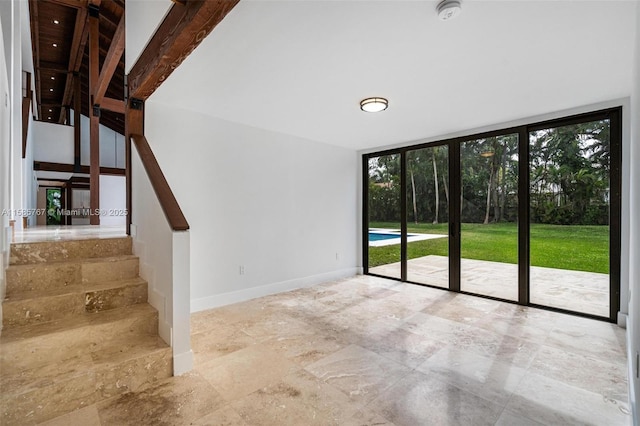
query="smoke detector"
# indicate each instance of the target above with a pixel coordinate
(448, 9)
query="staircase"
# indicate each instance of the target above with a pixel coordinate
(77, 329)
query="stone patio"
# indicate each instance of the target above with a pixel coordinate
(578, 291)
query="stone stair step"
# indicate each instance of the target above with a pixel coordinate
(131, 365)
(53, 251)
(50, 275)
(29, 346)
(31, 307)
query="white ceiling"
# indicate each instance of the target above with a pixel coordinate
(301, 67)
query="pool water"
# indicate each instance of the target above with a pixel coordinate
(377, 236)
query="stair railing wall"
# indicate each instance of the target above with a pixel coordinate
(161, 240)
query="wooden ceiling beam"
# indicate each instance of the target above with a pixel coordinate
(75, 57)
(77, 4)
(45, 166)
(111, 104)
(35, 39)
(52, 66)
(111, 61)
(181, 31)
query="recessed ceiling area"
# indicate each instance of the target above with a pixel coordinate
(302, 67)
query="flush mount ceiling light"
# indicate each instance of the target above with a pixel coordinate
(449, 9)
(374, 104)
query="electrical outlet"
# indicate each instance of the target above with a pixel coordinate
(241, 269)
(337, 257)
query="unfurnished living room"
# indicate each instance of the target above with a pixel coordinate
(315, 212)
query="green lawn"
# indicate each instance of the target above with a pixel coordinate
(576, 247)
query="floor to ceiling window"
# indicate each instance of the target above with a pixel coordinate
(489, 216)
(384, 218)
(529, 214)
(570, 205)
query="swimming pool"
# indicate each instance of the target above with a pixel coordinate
(379, 236)
(389, 237)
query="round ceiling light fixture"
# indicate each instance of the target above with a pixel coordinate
(374, 104)
(449, 9)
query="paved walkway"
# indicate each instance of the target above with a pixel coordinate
(579, 291)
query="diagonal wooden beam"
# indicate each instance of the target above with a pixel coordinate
(80, 34)
(116, 49)
(181, 31)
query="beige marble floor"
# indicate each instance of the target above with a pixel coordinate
(578, 291)
(372, 351)
(64, 232)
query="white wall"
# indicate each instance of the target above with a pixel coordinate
(111, 145)
(113, 200)
(52, 142)
(17, 184)
(164, 264)
(5, 142)
(147, 15)
(30, 179)
(634, 252)
(282, 208)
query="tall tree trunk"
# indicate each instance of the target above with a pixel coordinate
(446, 188)
(415, 204)
(486, 216)
(494, 192)
(435, 181)
(503, 188)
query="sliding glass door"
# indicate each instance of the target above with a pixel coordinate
(529, 214)
(384, 207)
(427, 177)
(570, 192)
(489, 216)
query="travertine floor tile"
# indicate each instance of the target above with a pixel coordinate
(217, 342)
(555, 403)
(606, 347)
(402, 346)
(303, 348)
(419, 399)
(607, 379)
(178, 400)
(507, 418)
(298, 399)
(485, 377)
(242, 372)
(367, 418)
(87, 416)
(371, 351)
(359, 373)
(225, 416)
(463, 309)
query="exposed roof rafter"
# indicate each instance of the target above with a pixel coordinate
(181, 31)
(110, 62)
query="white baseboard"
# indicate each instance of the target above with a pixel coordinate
(182, 363)
(622, 320)
(229, 298)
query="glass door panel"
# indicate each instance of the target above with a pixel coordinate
(569, 217)
(384, 216)
(489, 216)
(428, 216)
